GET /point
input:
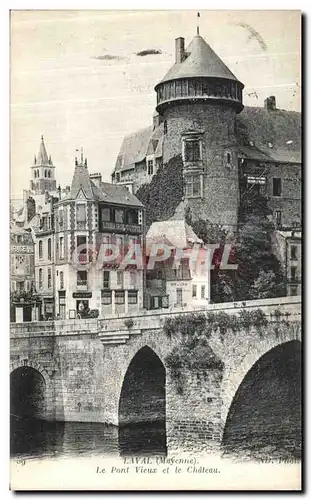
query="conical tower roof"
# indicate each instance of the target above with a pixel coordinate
(42, 157)
(200, 61)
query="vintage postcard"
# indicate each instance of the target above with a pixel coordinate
(155, 246)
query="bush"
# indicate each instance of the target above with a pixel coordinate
(129, 323)
(94, 313)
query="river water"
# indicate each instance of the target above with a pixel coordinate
(33, 438)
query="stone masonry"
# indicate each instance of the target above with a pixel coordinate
(84, 364)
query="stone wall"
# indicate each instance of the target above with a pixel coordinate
(84, 366)
(289, 203)
(220, 184)
(194, 415)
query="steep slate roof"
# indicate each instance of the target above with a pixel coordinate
(270, 135)
(134, 148)
(118, 194)
(34, 223)
(177, 233)
(15, 229)
(81, 180)
(202, 61)
(256, 128)
(110, 193)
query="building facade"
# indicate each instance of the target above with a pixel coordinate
(44, 231)
(94, 214)
(289, 252)
(24, 305)
(200, 116)
(182, 278)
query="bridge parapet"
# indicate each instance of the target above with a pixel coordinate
(118, 329)
(154, 320)
(30, 329)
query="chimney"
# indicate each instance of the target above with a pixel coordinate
(30, 209)
(179, 49)
(270, 103)
(96, 178)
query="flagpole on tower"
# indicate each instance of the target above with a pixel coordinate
(198, 23)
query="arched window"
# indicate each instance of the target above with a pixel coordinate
(40, 249)
(35, 173)
(45, 173)
(49, 249)
(40, 278)
(49, 173)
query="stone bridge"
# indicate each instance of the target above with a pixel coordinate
(115, 370)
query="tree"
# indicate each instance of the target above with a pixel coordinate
(222, 286)
(256, 261)
(264, 285)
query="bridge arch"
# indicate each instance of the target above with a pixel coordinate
(142, 404)
(266, 407)
(234, 375)
(28, 377)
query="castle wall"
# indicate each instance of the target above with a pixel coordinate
(216, 122)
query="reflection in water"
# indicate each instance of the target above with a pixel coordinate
(143, 439)
(35, 438)
(31, 438)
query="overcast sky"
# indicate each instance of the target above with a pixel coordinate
(76, 78)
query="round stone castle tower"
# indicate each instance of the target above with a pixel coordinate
(198, 100)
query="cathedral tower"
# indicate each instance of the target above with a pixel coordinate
(198, 100)
(42, 172)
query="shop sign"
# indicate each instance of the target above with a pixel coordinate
(82, 295)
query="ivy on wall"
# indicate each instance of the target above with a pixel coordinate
(165, 191)
(193, 351)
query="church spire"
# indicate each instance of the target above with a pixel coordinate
(42, 157)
